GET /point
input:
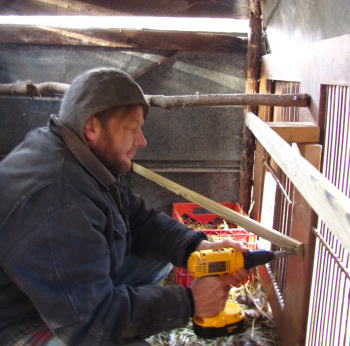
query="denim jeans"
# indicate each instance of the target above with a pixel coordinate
(135, 271)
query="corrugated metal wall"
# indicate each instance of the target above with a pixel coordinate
(204, 143)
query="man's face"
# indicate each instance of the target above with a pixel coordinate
(118, 141)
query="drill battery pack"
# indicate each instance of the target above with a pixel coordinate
(227, 322)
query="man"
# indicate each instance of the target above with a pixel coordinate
(81, 256)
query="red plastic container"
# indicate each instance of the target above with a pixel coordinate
(192, 214)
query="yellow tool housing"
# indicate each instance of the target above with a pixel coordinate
(224, 261)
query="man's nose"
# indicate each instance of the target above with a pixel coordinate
(141, 140)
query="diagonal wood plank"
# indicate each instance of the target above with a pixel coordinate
(228, 214)
(327, 201)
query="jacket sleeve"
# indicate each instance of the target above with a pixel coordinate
(65, 271)
(156, 235)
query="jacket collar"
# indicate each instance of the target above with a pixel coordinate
(84, 155)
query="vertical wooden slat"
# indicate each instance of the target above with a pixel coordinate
(265, 114)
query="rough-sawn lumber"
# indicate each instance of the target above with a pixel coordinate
(326, 200)
(228, 214)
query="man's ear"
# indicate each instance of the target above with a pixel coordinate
(91, 130)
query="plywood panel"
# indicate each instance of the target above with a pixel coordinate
(324, 62)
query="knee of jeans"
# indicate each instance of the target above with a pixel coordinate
(55, 342)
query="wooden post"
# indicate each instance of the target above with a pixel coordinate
(252, 87)
(265, 114)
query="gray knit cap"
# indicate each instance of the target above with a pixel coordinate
(98, 90)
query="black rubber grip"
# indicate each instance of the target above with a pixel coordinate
(257, 257)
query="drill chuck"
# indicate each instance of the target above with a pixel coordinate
(257, 257)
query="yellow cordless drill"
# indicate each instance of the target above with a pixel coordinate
(220, 262)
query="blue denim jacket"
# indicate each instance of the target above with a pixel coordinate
(63, 238)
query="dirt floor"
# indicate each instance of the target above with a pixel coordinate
(260, 329)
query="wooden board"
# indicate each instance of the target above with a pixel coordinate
(299, 132)
(123, 38)
(228, 214)
(324, 62)
(164, 8)
(327, 201)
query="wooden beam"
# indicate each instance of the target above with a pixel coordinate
(27, 88)
(252, 87)
(326, 200)
(123, 38)
(296, 132)
(153, 65)
(228, 214)
(297, 100)
(164, 8)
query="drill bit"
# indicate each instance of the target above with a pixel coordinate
(281, 254)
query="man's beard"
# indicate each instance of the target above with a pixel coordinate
(115, 165)
(112, 161)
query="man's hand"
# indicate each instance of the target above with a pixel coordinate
(205, 245)
(211, 293)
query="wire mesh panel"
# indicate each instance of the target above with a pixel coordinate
(329, 313)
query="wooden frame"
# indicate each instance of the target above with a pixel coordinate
(313, 66)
